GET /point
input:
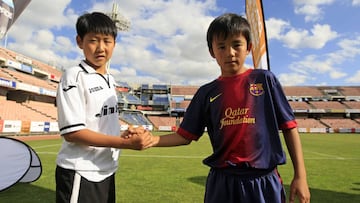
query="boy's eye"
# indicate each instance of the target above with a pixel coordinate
(237, 45)
(221, 46)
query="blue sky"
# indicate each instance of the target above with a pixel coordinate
(311, 42)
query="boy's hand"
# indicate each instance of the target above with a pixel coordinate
(299, 188)
(138, 138)
(131, 131)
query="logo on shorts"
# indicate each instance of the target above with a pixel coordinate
(256, 89)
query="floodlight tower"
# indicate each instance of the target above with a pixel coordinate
(121, 22)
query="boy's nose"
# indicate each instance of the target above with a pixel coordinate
(101, 46)
(231, 51)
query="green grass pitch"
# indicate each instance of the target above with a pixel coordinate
(177, 174)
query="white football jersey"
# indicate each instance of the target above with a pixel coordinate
(87, 100)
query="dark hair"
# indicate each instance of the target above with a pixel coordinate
(95, 22)
(228, 24)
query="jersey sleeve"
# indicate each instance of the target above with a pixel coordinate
(70, 103)
(284, 113)
(193, 125)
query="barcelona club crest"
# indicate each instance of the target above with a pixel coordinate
(256, 89)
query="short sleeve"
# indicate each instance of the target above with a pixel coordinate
(70, 103)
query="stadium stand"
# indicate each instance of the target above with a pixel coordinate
(352, 104)
(326, 105)
(28, 79)
(28, 91)
(304, 92)
(339, 123)
(299, 105)
(13, 111)
(309, 123)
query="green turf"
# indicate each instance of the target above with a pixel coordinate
(178, 175)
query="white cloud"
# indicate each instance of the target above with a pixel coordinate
(275, 28)
(337, 74)
(317, 67)
(356, 2)
(34, 32)
(43, 38)
(64, 45)
(292, 79)
(162, 42)
(331, 65)
(321, 34)
(296, 38)
(311, 9)
(317, 39)
(167, 40)
(130, 76)
(354, 78)
(311, 12)
(46, 14)
(350, 48)
(311, 63)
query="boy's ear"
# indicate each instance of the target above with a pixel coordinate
(211, 52)
(249, 48)
(79, 41)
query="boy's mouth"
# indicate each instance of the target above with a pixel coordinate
(230, 62)
(100, 56)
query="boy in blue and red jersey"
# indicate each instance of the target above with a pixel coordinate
(242, 110)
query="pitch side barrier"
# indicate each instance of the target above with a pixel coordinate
(301, 130)
(19, 127)
(329, 130)
(147, 127)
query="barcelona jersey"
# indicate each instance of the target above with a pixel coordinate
(242, 115)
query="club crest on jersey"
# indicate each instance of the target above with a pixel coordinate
(256, 89)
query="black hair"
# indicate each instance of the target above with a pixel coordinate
(95, 22)
(228, 24)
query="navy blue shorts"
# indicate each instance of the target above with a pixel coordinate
(259, 186)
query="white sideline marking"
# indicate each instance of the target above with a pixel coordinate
(333, 158)
(202, 157)
(147, 156)
(327, 155)
(52, 153)
(323, 155)
(164, 156)
(46, 146)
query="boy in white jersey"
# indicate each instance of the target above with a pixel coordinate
(88, 118)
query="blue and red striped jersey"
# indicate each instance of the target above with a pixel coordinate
(242, 115)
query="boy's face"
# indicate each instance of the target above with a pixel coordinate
(98, 49)
(230, 54)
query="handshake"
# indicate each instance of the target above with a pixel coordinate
(138, 138)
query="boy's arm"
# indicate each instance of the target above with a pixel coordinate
(92, 138)
(299, 186)
(170, 140)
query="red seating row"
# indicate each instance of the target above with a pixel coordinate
(10, 110)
